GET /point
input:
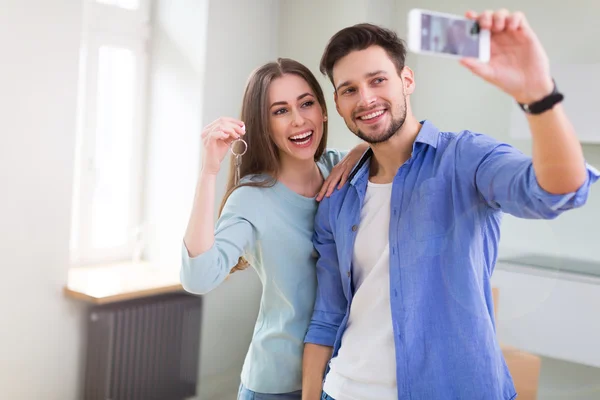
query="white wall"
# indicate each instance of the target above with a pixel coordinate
(203, 53)
(445, 93)
(42, 331)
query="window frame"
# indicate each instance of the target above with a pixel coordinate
(113, 26)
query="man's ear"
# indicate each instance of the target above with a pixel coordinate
(408, 79)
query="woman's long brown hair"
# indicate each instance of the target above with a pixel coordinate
(262, 156)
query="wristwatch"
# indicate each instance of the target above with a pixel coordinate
(544, 104)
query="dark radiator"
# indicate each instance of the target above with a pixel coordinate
(146, 349)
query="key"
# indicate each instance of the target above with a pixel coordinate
(238, 160)
(238, 165)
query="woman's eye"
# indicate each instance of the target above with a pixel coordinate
(280, 111)
(308, 103)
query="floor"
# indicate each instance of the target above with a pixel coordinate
(559, 380)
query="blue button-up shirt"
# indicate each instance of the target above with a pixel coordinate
(446, 208)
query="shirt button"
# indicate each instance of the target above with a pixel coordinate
(349, 274)
(354, 228)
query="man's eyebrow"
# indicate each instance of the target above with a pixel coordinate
(372, 74)
(341, 85)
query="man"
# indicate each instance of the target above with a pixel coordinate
(407, 248)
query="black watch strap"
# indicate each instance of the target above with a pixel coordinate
(544, 104)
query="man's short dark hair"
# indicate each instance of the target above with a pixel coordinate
(360, 37)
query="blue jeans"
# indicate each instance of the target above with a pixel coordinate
(325, 396)
(246, 394)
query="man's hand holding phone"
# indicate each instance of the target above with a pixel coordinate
(518, 62)
(498, 46)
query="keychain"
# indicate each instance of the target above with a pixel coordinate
(238, 159)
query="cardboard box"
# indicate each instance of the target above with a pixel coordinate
(524, 367)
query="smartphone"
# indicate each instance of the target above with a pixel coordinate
(447, 35)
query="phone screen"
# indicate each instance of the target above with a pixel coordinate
(446, 35)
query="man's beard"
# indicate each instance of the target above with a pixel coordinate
(395, 126)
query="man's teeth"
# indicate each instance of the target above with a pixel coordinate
(302, 135)
(372, 115)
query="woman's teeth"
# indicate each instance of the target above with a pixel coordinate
(302, 138)
(372, 115)
(302, 135)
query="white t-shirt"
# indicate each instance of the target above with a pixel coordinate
(365, 366)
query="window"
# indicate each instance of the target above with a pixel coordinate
(107, 212)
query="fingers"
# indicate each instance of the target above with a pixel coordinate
(324, 189)
(224, 128)
(222, 120)
(338, 177)
(225, 135)
(226, 123)
(329, 184)
(214, 136)
(344, 178)
(485, 20)
(516, 21)
(481, 69)
(221, 133)
(498, 21)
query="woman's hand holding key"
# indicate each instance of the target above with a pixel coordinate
(216, 141)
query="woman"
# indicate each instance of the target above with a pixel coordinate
(268, 217)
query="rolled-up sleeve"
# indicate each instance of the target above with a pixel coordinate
(563, 202)
(505, 179)
(331, 303)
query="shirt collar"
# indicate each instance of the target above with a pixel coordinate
(428, 135)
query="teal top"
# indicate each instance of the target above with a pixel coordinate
(272, 228)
